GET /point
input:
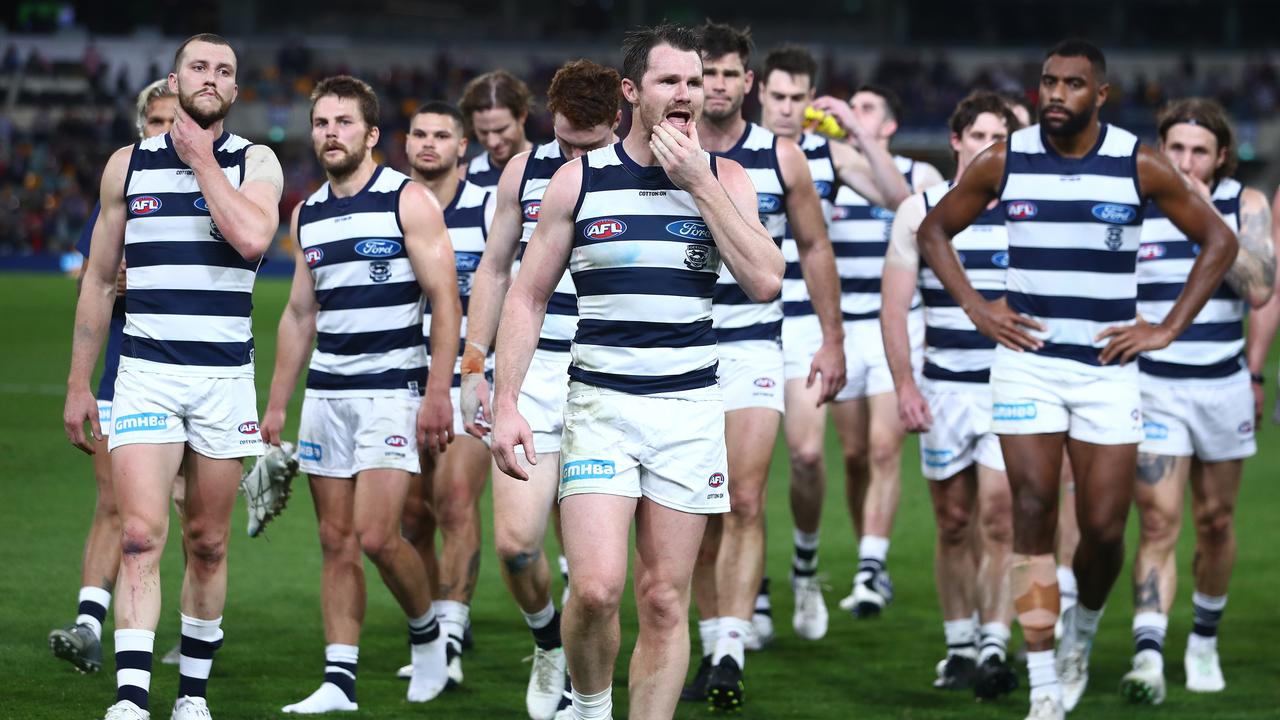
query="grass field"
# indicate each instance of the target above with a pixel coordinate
(273, 650)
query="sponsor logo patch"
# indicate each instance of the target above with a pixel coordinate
(1245, 427)
(313, 256)
(937, 458)
(823, 187)
(1113, 213)
(1021, 210)
(249, 427)
(1152, 430)
(880, 213)
(532, 209)
(466, 262)
(141, 421)
(1014, 411)
(691, 229)
(310, 451)
(1000, 259)
(605, 229)
(201, 204)
(144, 205)
(716, 480)
(768, 203)
(396, 441)
(586, 470)
(840, 212)
(1151, 251)
(764, 382)
(378, 247)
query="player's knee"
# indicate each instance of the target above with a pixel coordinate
(997, 525)
(335, 539)
(1214, 523)
(662, 606)
(1158, 526)
(455, 513)
(885, 449)
(954, 525)
(206, 549)
(376, 542)
(806, 462)
(593, 597)
(517, 555)
(747, 507)
(138, 537)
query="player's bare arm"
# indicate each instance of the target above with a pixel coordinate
(545, 260)
(93, 310)
(870, 171)
(246, 217)
(1253, 274)
(294, 337)
(1263, 324)
(818, 264)
(956, 211)
(897, 287)
(727, 201)
(924, 176)
(1197, 219)
(489, 287)
(426, 242)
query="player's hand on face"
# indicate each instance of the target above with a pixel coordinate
(913, 409)
(829, 362)
(272, 425)
(1199, 187)
(996, 320)
(81, 407)
(680, 155)
(1129, 340)
(192, 142)
(477, 417)
(509, 430)
(435, 422)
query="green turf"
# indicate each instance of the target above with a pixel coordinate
(273, 650)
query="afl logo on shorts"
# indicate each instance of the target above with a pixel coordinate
(605, 229)
(201, 205)
(249, 428)
(313, 256)
(1021, 210)
(396, 441)
(1245, 428)
(144, 205)
(531, 210)
(716, 480)
(764, 382)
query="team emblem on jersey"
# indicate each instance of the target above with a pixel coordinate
(716, 479)
(604, 229)
(379, 271)
(214, 232)
(691, 229)
(823, 187)
(249, 427)
(397, 441)
(531, 210)
(695, 256)
(313, 256)
(145, 205)
(201, 205)
(465, 262)
(378, 247)
(1151, 251)
(1113, 213)
(1115, 238)
(1020, 210)
(1000, 259)
(768, 203)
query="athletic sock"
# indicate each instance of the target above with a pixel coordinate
(1043, 675)
(708, 633)
(94, 602)
(133, 666)
(453, 616)
(804, 558)
(593, 706)
(962, 636)
(995, 641)
(545, 625)
(564, 568)
(872, 554)
(1068, 591)
(340, 667)
(200, 639)
(424, 629)
(1148, 631)
(1086, 621)
(1207, 611)
(763, 604)
(729, 642)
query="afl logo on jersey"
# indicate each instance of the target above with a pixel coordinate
(249, 428)
(1151, 251)
(1021, 210)
(396, 441)
(768, 203)
(1000, 259)
(313, 256)
(531, 210)
(840, 212)
(378, 248)
(201, 205)
(144, 205)
(1114, 214)
(605, 229)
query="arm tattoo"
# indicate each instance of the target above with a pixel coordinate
(1146, 595)
(1153, 468)
(1255, 265)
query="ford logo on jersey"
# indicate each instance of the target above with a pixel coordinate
(1112, 213)
(1020, 210)
(880, 213)
(604, 229)
(378, 248)
(145, 205)
(767, 203)
(466, 262)
(1000, 259)
(201, 205)
(823, 187)
(691, 229)
(313, 256)
(531, 210)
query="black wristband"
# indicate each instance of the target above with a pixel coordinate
(1258, 378)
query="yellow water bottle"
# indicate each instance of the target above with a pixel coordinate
(823, 123)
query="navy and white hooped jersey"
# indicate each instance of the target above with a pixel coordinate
(860, 234)
(737, 316)
(481, 171)
(1212, 346)
(468, 221)
(645, 266)
(561, 320)
(795, 293)
(189, 293)
(1074, 228)
(954, 350)
(369, 327)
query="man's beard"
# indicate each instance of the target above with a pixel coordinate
(732, 111)
(204, 118)
(341, 168)
(433, 173)
(1073, 125)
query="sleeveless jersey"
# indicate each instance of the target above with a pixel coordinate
(468, 230)
(737, 317)
(860, 235)
(645, 266)
(1213, 345)
(954, 350)
(189, 293)
(482, 172)
(1074, 227)
(562, 309)
(369, 327)
(795, 293)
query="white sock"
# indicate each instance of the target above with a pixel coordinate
(540, 619)
(995, 641)
(1067, 588)
(1086, 620)
(962, 637)
(1043, 675)
(593, 706)
(453, 619)
(1202, 642)
(564, 567)
(427, 650)
(708, 633)
(732, 632)
(200, 639)
(94, 602)
(872, 547)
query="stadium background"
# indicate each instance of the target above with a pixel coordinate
(68, 75)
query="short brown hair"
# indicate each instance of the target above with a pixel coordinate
(211, 38)
(585, 93)
(792, 60)
(496, 89)
(1211, 116)
(639, 42)
(977, 103)
(345, 86)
